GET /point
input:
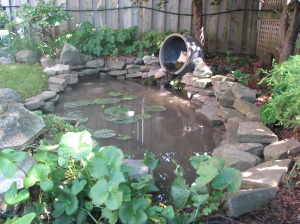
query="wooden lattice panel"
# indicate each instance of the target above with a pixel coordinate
(273, 4)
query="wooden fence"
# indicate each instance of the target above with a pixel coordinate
(227, 28)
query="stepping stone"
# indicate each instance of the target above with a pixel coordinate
(253, 131)
(282, 149)
(227, 113)
(267, 174)
(244, 93)
(237, 159)
(246, 201)
(249, 109)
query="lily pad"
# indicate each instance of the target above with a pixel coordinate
(71, 105)
(75, 115)
(107, 101)
(85, 102)
(143, 116)
(82, 119)
(116, 110)
(125, 120)
(115, 94)
(105, 133)
(155, 108)
(129, 97)
(123, 137)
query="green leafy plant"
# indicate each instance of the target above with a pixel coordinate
(210, 188)
(284, 82)
(3, 20)
(242, 77)
(177, 86)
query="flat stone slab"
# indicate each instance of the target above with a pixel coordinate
(150, 60)
(34, 103)
(221, 87)
(117, 72)
(46, 95)
(237, 159)
(246, 201)
(116, 64)
(227, 113)
(190, 79)
(253, 148)
(282, 149)
(207, 92)
(218, 78)
(134, 75)
(133, 69)
(209, 113)
(244, 93)
(267, 174)
(97, 63)
(249, 109)
(253, 131)
(57, 70)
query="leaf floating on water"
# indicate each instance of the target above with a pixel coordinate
(71, 105)
(105, 133)
(82, 119)
(123, 137)
(129, 97)
(115, 94)
(116, 110)
(107, 101)
(75, 115)
(85, 102)
(143, 116)
(125, 120)
(155, 108)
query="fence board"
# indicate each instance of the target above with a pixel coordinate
(74, 5)
(213, 27)
(64, 24)
(158, 18)
(172, 20)
(185, 22)
(225, 27)
(127, 14)
(102, 14)
(146, 17)
(238, 27)
(112, 16)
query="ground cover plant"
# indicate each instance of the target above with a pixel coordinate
(27, 80)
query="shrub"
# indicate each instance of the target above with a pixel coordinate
(284, 105)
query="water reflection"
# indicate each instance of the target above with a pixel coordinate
(172, 134)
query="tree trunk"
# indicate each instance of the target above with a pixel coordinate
(198, 21)
(289, 33)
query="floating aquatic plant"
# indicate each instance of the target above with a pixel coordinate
(155, 108)
(105, 133)
(116, 110)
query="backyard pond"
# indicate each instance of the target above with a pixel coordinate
(136, 117)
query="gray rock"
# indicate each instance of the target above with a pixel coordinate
(116, 64)
(282, 149)
(249, 109)
(26, 57)
(19, 127)
(97, 63)
(47, 61)
(190, 79)
(7, 93)
(57, 70)
(252, 131)
(226, 99)
(94, 71)
(138, 167)
(227, 113)
(145, 75)
(71, 56)
(267, 59)
(133, 69)
(246, 201)
(207, 92)
(48, 107)
(139, 61)
(237, 159)
(117, 73)
(267, 174)
(57, 84)
(87, 58)
(46, 95)
(134, 75)
(3, 107)
(222, 87)
(160, 73)
(218, 78)
(144, 68)
(253, 148)
(244, 93)
(209, 112)
(6, 61)
(150, 60)
(130, 61)
(201, 69)
(77, 67)
(73, 79)
(34, 103)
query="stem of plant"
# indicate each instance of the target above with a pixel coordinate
(90, 215)
(87, 172)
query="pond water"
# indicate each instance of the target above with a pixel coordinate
(175, 133)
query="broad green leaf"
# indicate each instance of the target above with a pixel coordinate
(26, 219)
(71, 105)
(115, 198)
(75, 145)
(155, 108)
(133, 212)
(180, 219)
(125, 120)
(66, 201)
(8, 159)
(129, 97)
(204, 178)
(230, 178)
(115, 94)
(39, 173)
(105, 162)
(37, 208)
(123, 137)
(78, 186)
(126, 192)
(197, 160)
(168, 212)
(143, 116)
(112, 216)
(200, 199)
(143, 182)
(48, 158)
(180, 192)
(116, 110)
(150, 160)
(107, 101)
(81, 217)
(179, 171)
(104, 133)
(12, 197)
(117, 178)
(151, 187)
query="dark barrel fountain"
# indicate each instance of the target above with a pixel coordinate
(177, 53)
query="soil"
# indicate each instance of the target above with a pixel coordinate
(285, 208)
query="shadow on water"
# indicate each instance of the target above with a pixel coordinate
(172, 134)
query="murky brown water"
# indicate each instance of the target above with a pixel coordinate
(172, 134)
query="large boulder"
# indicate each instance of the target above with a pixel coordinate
(27, 57)
(7, 93)
(18, 126)
(71, 56)
(47, 61)
(282, 149)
